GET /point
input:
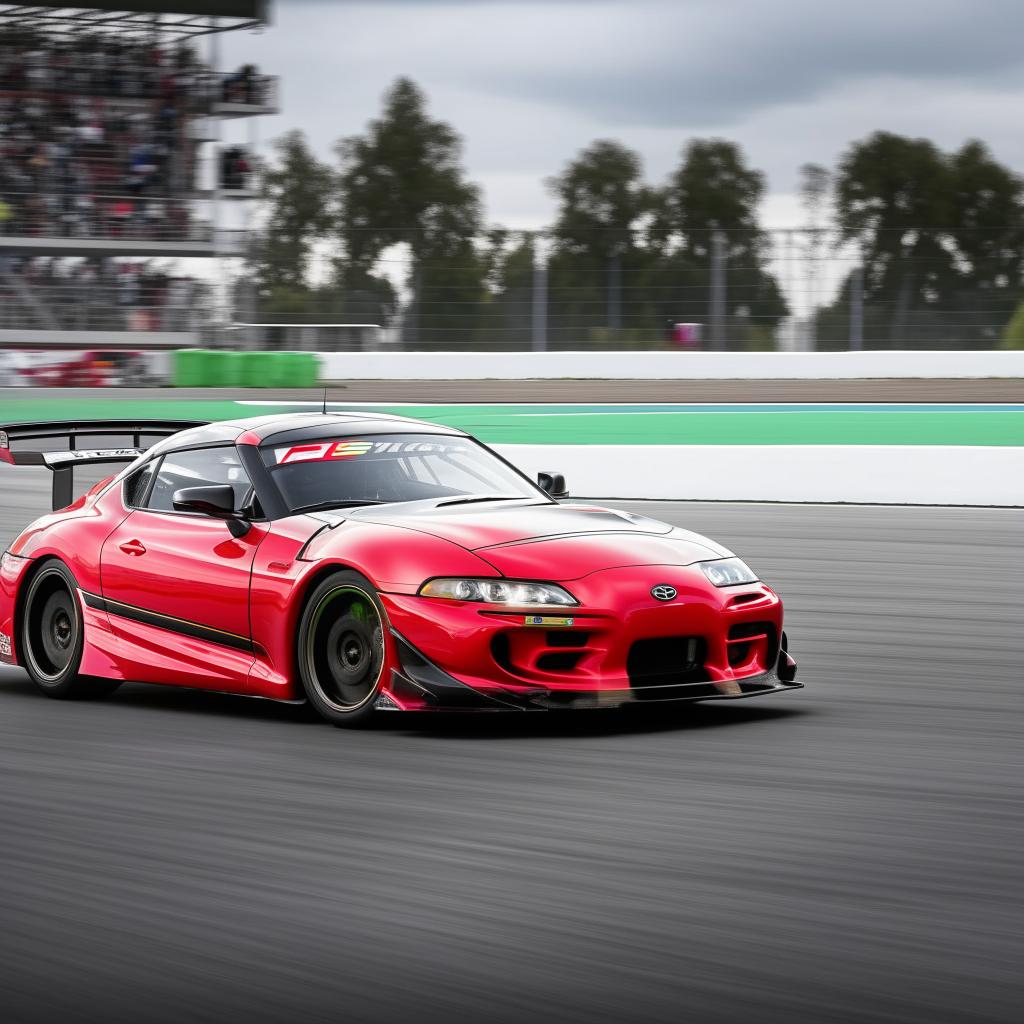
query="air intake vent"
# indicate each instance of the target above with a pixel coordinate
(748, 630)
(665, 661)
(556, 638)
(558, 661)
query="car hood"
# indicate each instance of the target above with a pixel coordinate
(555, 542)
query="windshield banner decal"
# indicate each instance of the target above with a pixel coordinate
(331, 451)
(322, 452)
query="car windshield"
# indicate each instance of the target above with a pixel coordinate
(384, 468)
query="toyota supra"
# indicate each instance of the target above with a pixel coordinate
(364, 564)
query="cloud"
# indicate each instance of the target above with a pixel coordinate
(707, 64)
(527, 84)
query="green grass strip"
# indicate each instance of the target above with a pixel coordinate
(528, 425)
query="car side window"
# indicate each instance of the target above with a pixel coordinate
(195, 469)
(137, 485)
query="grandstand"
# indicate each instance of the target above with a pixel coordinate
(114, 167)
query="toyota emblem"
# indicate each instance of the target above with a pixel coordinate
(663, 592)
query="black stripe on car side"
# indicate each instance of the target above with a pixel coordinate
(170, 623)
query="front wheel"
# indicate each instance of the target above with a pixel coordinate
(343, 648)
(52, 636)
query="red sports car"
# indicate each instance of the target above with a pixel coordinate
(366, 563)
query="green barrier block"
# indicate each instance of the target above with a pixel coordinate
(214, 368)
(252, 369)
(308, 370)
(223, 370)
(231, 370)
(296, 369)
(284, 369)
(207, 362)
(288, 369)
(275, 369)
(187, 371)
(209, 368)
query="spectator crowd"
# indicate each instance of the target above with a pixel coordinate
(94, 138)
(74, 166)
(93, 64)
(96, 294)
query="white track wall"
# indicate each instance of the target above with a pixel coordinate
(898, 475)
(343, 366)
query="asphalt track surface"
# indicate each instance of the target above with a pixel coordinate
(849, 852)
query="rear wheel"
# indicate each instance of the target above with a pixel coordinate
(343, 648)
(52, 636)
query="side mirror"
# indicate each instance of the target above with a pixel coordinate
(214, 500)
(553, 484)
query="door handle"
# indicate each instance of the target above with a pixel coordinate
(133, 547)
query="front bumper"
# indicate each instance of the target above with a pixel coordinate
(620, 646)
(420, 685)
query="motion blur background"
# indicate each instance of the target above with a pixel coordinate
(681, 251)
(141, 206)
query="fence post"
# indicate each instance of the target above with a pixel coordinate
(718, 290)
(615, 291)
(539, 320)
(857, 308)
(412, 313)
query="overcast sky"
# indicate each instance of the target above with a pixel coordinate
(527, 84)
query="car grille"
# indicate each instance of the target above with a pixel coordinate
(667, 661)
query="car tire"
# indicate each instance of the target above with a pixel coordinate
(53, 636)
(344, 648)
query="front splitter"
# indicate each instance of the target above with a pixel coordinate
(420, 685)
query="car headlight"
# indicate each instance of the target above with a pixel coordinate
(728, 572)
(510, 592)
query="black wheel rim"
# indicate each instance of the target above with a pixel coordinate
(53, 627)
(345, 648)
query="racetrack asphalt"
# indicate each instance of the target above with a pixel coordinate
(846, 853)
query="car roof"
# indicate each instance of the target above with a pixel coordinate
(287, 428)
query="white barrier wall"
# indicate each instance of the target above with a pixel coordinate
(667, 365)
(884, 474)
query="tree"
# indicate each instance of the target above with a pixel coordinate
(815, 186)
(892, 198)
(298, 192)
(361, 297)
(601, 198)
(597, 244)
(815, 183)
(941, 238)
(510, 283)
(402, 184)
(713, 191)
(988, 236)
(1013, 333)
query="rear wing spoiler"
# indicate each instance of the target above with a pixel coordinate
(140, 436)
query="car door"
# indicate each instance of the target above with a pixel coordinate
(176, 585)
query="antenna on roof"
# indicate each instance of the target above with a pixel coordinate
(325, 401)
